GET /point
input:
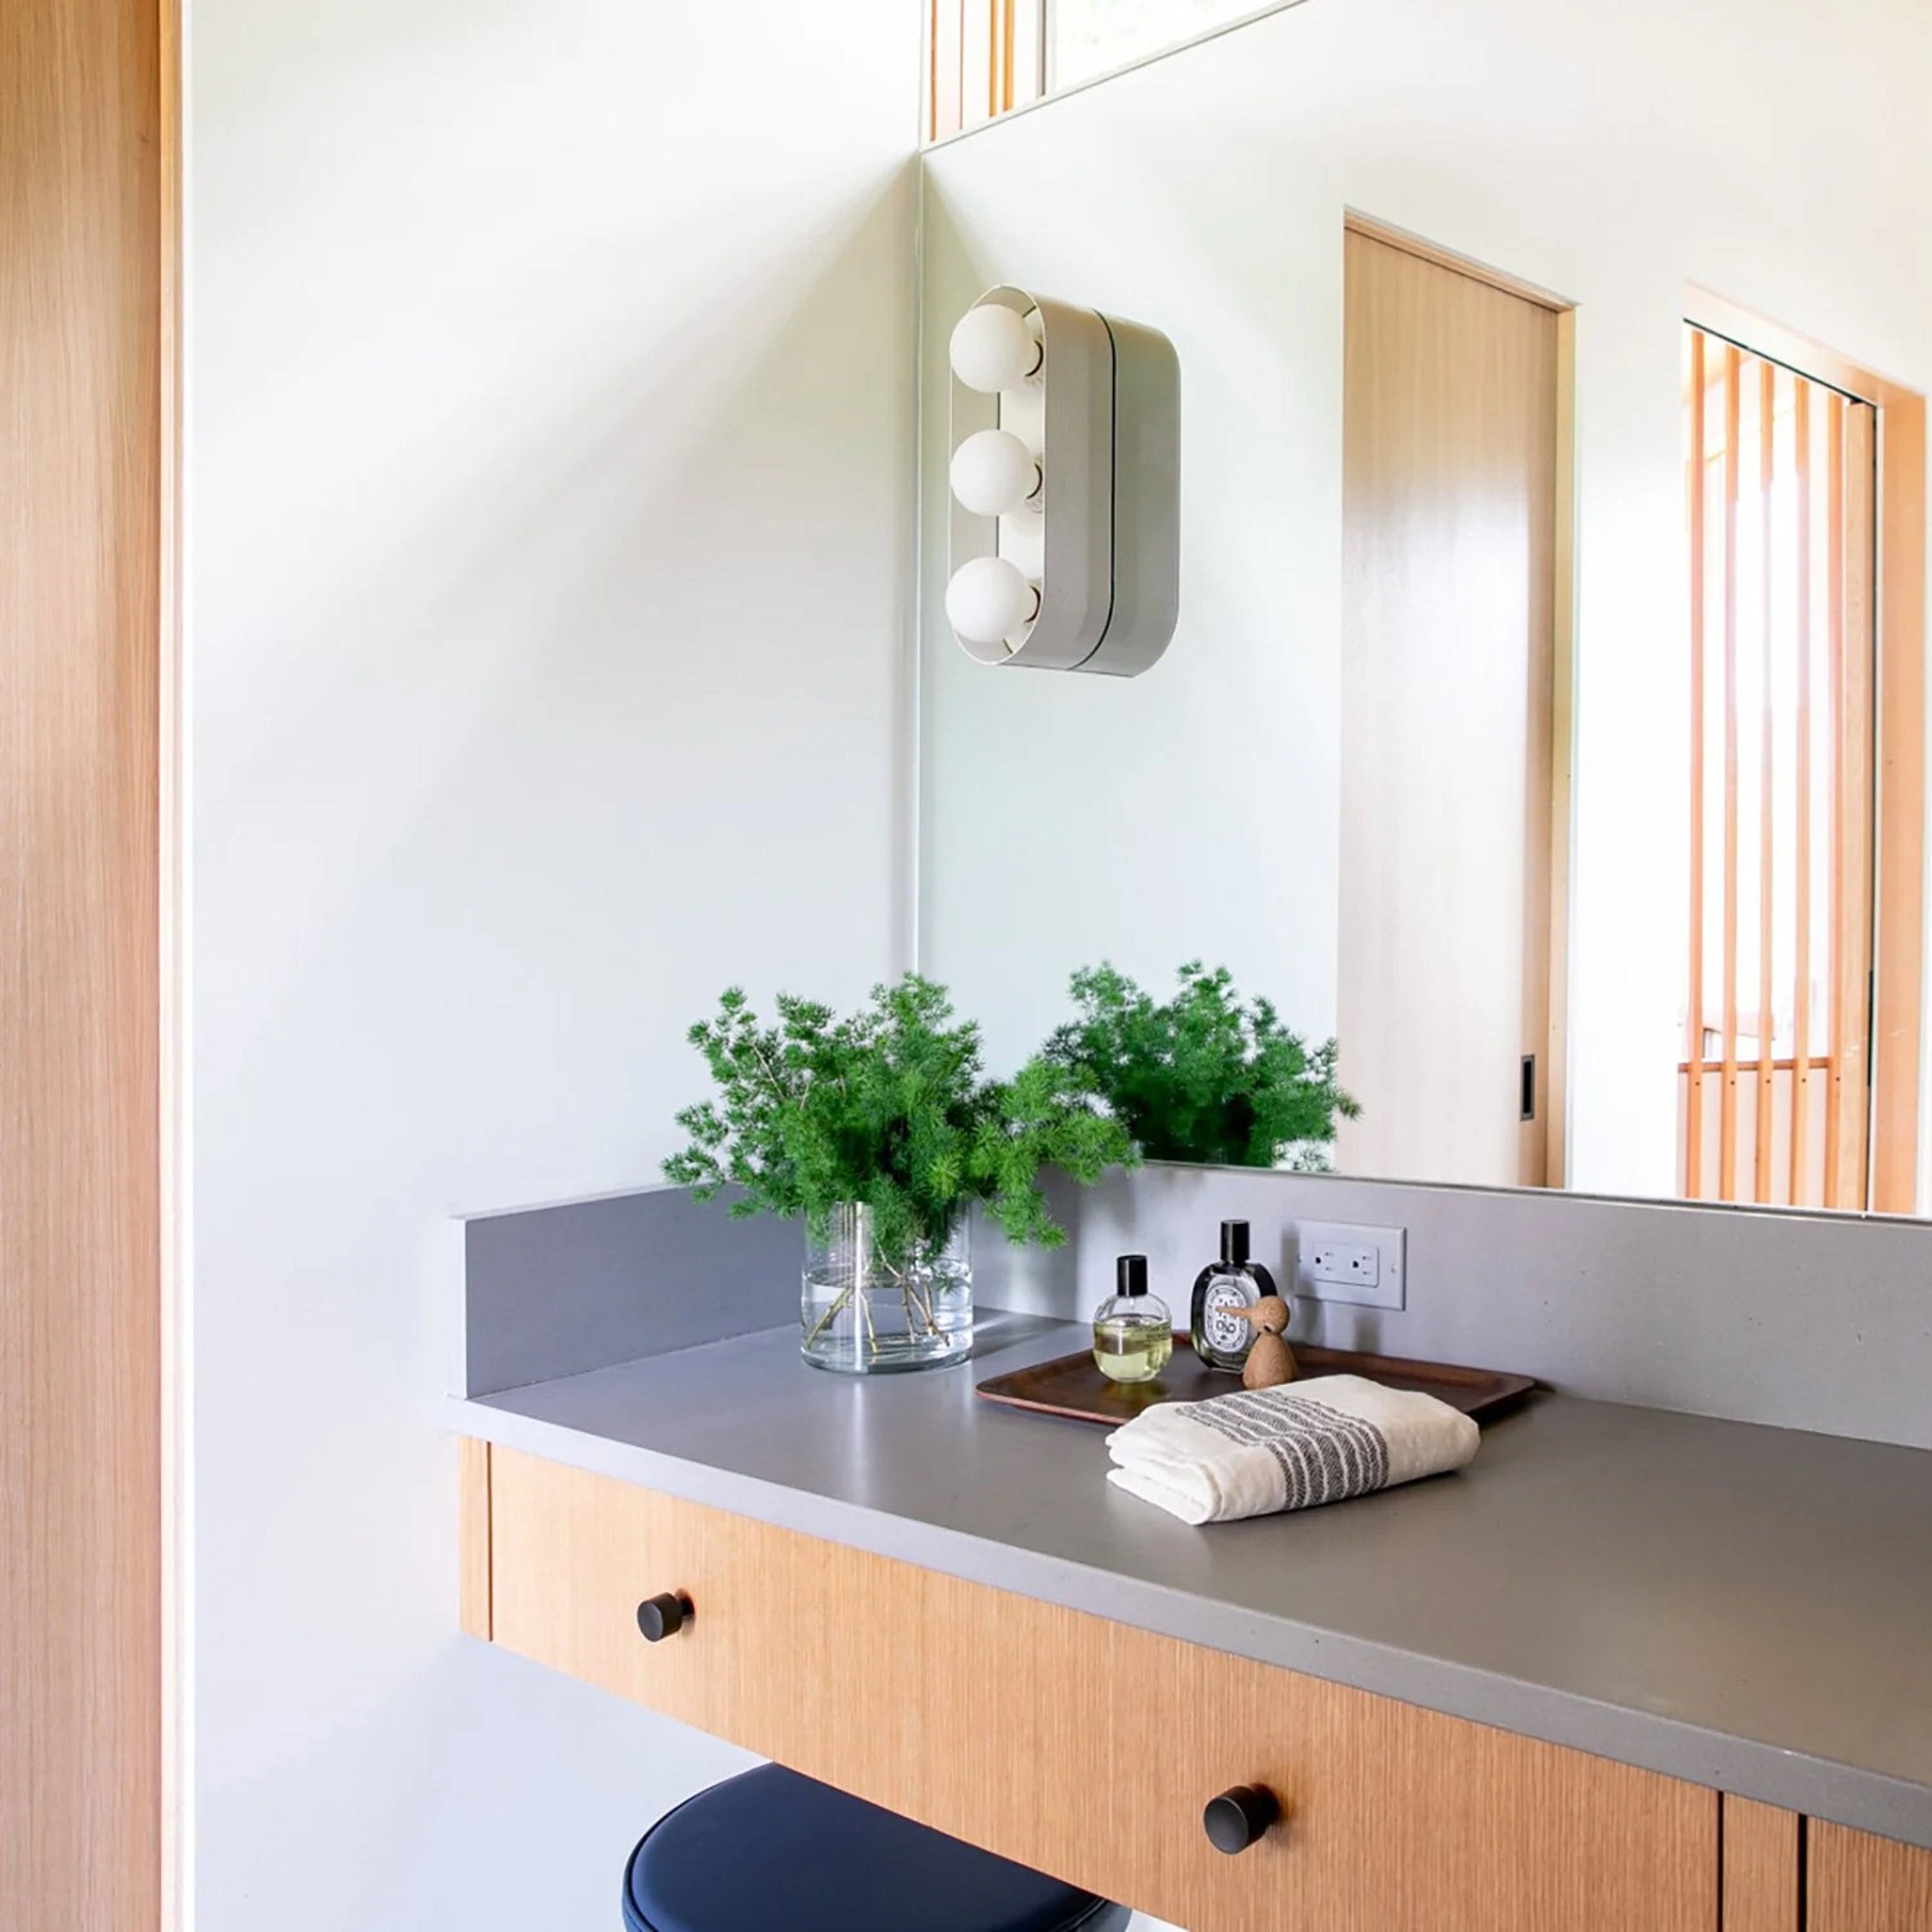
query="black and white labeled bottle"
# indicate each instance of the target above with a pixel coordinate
(1223, 1293)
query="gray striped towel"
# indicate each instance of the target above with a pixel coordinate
(1260, 1450)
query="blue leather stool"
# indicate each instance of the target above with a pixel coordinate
(773, 1852)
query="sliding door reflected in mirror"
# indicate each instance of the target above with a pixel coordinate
(1449, 925)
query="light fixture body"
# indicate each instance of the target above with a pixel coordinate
(1100, 538)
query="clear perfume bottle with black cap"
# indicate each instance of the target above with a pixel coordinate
(1223, 1293)
(1133, 1332)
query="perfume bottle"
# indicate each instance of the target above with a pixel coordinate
(1133, 1331)
(1223, 1293)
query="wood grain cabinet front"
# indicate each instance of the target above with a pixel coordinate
(1786, 1873)
(1859, 1883)
(1085, 1748)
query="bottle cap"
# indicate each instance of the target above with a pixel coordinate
(1235, 1242)
(1130, 1275)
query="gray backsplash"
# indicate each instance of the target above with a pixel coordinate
(555, 1291)
(1801, 1321)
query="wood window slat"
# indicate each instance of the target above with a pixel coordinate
(1727, 1145)
(946, 81)
(1782, 1116)
(1799, 1183)
(987, 57)
(1834, 606)
(1693, 1133)
(1856, 787)
(1767, 410)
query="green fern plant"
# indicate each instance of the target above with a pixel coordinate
(890, 1108)
(1203, 1076)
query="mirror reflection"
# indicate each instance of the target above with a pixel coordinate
(989, 57)
(1545, 719)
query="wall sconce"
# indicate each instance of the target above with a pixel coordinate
(1066, 475)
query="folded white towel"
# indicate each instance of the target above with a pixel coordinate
(1259, 1450)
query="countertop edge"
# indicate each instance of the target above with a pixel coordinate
(1841, 1793)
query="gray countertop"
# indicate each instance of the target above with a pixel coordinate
(1746, 1607)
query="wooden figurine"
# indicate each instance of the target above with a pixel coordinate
(1270, 1361)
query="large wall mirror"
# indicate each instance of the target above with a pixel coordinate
(1545, 718)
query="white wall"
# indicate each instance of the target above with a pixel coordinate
(1193, 809)
(551, 415)
(1773, 151)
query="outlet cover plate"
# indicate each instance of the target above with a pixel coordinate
(1339, 1262)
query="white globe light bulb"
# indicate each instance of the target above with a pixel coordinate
(993, 350)
(993, 473)
(989, 599)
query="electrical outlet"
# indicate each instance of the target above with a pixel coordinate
(1336, 1262)
(1339, 1264)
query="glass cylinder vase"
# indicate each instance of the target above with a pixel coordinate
(866, 1311)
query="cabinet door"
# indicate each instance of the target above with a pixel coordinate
(1859, 1883)
(1084, 1747)
(1761, 1864)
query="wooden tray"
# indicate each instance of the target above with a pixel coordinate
(1073, 1386)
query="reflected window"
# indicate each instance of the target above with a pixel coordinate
(988, 57)
(1773, 1104)
(1085, 38)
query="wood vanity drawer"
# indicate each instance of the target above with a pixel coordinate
(1084, 1748)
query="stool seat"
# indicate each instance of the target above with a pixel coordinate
(772, 1852)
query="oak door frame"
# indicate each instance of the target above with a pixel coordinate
(1897, 1019)
(90, 227)
(171, 936)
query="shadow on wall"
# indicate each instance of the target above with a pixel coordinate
(659, 588)
(551, 567)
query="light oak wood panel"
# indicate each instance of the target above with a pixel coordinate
(1556, 1082)
(1798, 1169)
(1449, 693)
(1084, 1747)
(473, 1537)
(176, 1907)
(1792, 1120)
(1859, 1883)
(1851, 1098)
(1357, 222)
(1767, 896)
(1837, 1114)
(1761, 1882)
(1693, 1167)
(1727, 1139)
(85, 203)
(1900, 941)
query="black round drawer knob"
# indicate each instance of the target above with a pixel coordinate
(1236, 1818)
(660, 1617)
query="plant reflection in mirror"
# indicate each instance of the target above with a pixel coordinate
(1204, 1076)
